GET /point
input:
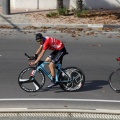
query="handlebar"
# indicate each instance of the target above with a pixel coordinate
(26, 55)
(29, 57)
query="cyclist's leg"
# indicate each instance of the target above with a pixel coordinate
(52, 64)
(58, 56)
(52, 68)
(49, 58)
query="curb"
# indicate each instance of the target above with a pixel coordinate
(50, 114)
(96, 111)
(22, 26)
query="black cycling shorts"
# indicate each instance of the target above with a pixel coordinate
(57, 55)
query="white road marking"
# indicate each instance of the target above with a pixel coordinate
(55, 99)
(95, 25)
(92, 111)
(111, 32)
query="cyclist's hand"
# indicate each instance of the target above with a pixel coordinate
(31, 58)
(32, 63)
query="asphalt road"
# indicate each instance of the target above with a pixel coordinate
(94, 54)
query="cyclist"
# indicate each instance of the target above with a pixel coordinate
(58, 51)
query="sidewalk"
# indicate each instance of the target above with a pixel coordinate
(56, 114)
(25, 18)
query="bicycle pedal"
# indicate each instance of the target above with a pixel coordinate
(52, 85)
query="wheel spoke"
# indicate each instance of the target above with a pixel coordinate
(31, 83)
(77, 79)
(24, 81)
(36, 84)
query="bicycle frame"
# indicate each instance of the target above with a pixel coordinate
(59, 70)
(41, 65)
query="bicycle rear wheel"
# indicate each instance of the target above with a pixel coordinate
(31, 83)
(74, 82)
(114, 80)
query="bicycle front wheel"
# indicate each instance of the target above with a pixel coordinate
(114, 80)
(74, 82)
(31, 83)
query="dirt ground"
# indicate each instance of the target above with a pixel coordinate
(93, 17)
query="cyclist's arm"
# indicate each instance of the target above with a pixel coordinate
(38, 59)
(40, 56)
(39, 50)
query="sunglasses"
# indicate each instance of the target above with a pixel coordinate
(39, 40)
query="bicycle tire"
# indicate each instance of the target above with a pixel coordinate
(78, 79)
(29, 85)
(114, 80)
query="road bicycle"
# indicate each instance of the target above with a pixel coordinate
(114, 79)
(32, 79)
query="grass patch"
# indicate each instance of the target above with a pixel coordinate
(67, 12)
(52, 14)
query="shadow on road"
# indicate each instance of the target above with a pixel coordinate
(12, 24)
(94, 85)
(88, 86)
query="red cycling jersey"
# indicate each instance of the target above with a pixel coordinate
(52, 44)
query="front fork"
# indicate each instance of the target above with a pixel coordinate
(32, 75)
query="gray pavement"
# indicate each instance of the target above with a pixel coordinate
(19, 21)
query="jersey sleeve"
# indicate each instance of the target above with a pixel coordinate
(46, 44)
